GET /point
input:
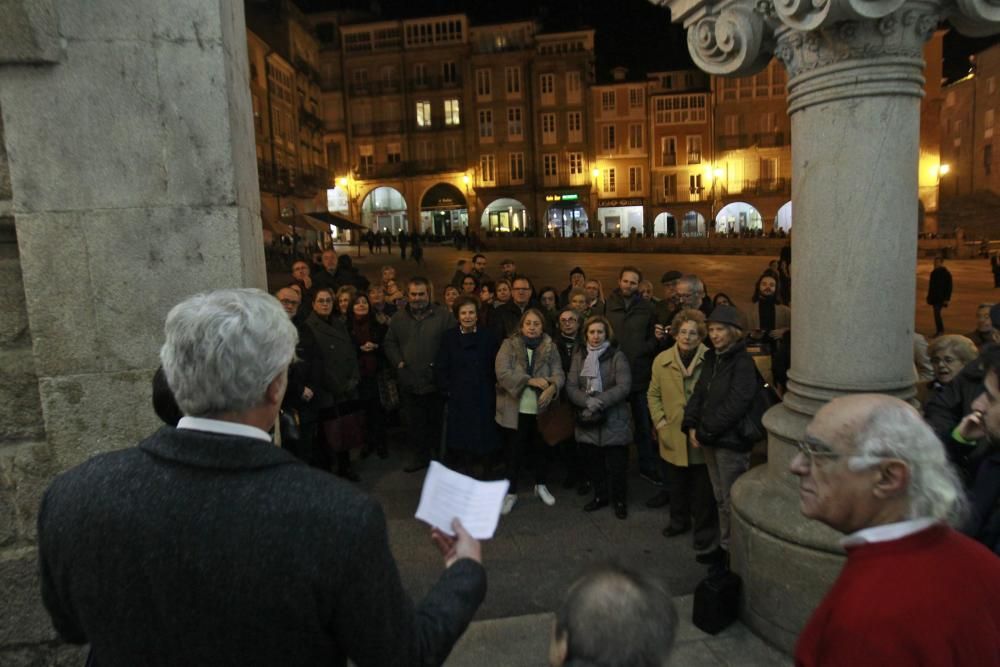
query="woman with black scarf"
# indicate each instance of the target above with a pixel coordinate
(368, 335)
(529, 375)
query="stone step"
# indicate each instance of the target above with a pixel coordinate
(523, 641)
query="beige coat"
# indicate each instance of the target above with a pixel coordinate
(512, 375)
(668, 393)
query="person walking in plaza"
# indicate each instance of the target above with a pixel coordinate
(913, 590)
(403, 241)
(337, 394)
(723, 395)
(387, 238)
(417, 250)
(599, 385)
(529, 376)
(411, 345)
(676, 372)
(207, 545)
(939, 293)
(634, 322)
(466, 376)
(368, 335)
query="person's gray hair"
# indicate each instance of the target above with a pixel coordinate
(960, 346)
(223, 348)
(896, 431)
(694, 282)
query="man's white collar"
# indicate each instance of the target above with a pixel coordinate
(223, 427)
(887, 532)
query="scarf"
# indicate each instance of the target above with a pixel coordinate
(766, 310)
(687, 368)
(592, 367)
(367, 361)
(532, 344)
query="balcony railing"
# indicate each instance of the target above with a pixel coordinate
(763, 186)
(414, 167)
(433, 82)
(732, 141)
(665, 196)
(769, 139)
(379, 127)
(694, 157)
(366, 88)
(762, 139)
(668, 159)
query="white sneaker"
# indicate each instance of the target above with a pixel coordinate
(508, 503)
(543, 492)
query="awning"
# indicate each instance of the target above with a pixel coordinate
(276, 226)
(443, 196)
(306, 222)
(328, 218)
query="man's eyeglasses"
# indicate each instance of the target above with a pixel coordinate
(816, 451)
(324, 300)
(289, 302)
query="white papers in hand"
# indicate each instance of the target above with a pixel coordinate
(448, 495)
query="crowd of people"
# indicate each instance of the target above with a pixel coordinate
(182, 523)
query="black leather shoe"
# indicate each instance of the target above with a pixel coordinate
(714, 557)
(595, 504)
(672, 530)
(584, 489)
(661, 499)
(621, 510)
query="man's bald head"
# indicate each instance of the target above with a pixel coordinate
(869, 459)
(614, 616)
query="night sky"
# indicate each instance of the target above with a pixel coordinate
(632, 33)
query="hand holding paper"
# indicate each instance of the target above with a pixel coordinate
(447, 495)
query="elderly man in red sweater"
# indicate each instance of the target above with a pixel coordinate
(913, 590)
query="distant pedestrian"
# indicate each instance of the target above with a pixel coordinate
(417, 250)
(387, 236)
(370, 240)
(995, 265)
(939, 293)
(403, 240)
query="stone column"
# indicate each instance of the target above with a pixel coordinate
(854, 89)
(127, 178)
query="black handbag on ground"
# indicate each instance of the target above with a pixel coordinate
(750, 427)
(716, 602)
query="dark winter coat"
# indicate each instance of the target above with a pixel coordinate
(196, 548)
(339, 371)
(465, 374)
(939, 288)
(723, 395)
(945, 409)
(415, 342)
(616, 380)
(306, 370)
(634, 323)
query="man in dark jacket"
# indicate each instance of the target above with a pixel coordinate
(303, 378)
(506, 318)
(634, 324)
(577, 279)
(324, 277)
(208, 545)
(939, 293)
(410, 346)
(949, 412)
(984, 426)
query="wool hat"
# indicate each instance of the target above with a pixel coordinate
(723, 314)
(671, 276)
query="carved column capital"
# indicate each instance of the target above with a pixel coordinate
(738, 37)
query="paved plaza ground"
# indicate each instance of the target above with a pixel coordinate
(538, 550)
(733, 274)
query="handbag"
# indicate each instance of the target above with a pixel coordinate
(388, 390)
(345, 432)
(556, 424)
(750, 428)
(716, 602)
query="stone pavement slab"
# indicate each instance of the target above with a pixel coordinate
(523, 641)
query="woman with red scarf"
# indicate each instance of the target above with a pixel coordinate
(368, 334)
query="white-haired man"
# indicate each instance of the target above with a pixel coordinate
(913, 590)
(208, 545)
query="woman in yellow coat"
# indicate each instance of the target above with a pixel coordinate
(675, 373)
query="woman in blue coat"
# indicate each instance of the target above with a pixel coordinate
(465, 374)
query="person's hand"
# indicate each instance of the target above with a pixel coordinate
(595, 404)
(546, 396)
(756, 334)
(462, 545)
(971, 426)
(368, 347)
(538, 383)
(307, 394)
(659, 332)
(776, 334)
(401, 364)
(694, 438)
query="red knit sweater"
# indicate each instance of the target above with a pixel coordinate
(931, 598)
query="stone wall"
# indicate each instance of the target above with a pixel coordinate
(127, 182)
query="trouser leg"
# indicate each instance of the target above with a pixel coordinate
(648, 452)
(724, 468)
(679, 484)
(597, 470)
(616, 460)
(938, 320)
(703, 509)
